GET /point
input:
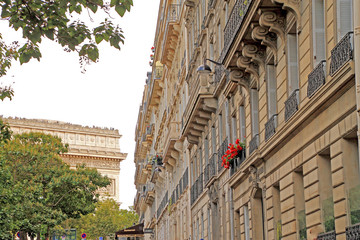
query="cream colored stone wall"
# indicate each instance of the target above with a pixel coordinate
(302, 178)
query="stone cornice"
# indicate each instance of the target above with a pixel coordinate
(61, 126)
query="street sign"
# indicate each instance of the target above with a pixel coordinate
(18, 234)
(83, 236)
(101, 238)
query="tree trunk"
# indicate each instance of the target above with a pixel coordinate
(38, 236)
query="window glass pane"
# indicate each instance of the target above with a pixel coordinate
(271, 90)
(254, 111)
(318, 18)
(293, 73)
(242, 123)
(344, 17)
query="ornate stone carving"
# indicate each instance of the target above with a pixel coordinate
(274, 21)
(241, 77)
(213, 192)
(316, 78)
(255, 53)
(251, 68)
(294, 7)
(266, 38)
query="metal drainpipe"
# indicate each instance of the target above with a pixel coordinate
(232, 234)
(356, 5)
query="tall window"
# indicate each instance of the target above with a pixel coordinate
(233, 128)
(203, 8)
(209, 224)
(292, 59)
(202, 225)
(226, 11)
(271, 90)
(211, 51)
(213, 139)
(206, 150)
(254, 111)
(344, 17)
(318, 24)
(242, 123)
(247, 222)
(220, 46)
(227, 124)
(220, 129)
(200, 161)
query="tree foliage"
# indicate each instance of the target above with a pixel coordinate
(37, 189)
(106, 219)
(53, 19)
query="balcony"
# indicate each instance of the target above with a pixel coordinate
(221, 151)
(316, 79)
(292, 105)
(234, 24)
(149, 132)
(155, 87)
(171, 33)
(341, 53)
(210, 169)
(162, 205)
(327, 236)
(199, 107)
(172, 145)
(150, 193)
(270, 127)
(254, 144)
(353, 232)
(235, 166)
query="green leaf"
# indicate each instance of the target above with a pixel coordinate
(49, 34)
(114, 3)
(24, 58)
(120, 9)
(99, 38)
(93, 54)
(93, 7)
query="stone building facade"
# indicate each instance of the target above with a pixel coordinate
(280, 76)
(95, 147)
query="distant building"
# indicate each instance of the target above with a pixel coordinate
(95, 147)
(284, 77)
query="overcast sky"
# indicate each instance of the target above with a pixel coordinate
(107, 95)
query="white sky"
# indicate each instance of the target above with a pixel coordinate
(107, 95)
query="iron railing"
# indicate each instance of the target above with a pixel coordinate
(162, 205)
(353, 232)
(327, 236)
(235, 165)
(316, 78)
(233, 25)
(221, 151)
(270, 127)
(254, 144)
(292, 105)
(341, 53)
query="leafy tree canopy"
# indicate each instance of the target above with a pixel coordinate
(38, 190)
(107, 219)
(52, 19)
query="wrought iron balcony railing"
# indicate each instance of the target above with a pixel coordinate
(327, 236)
(270, 127)
(292, 105)
(237, 162)
(221, 151)
(316, 78)
(210, 169)
(254, 144)
(341, 53)
(233, 24)
(353, 232)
